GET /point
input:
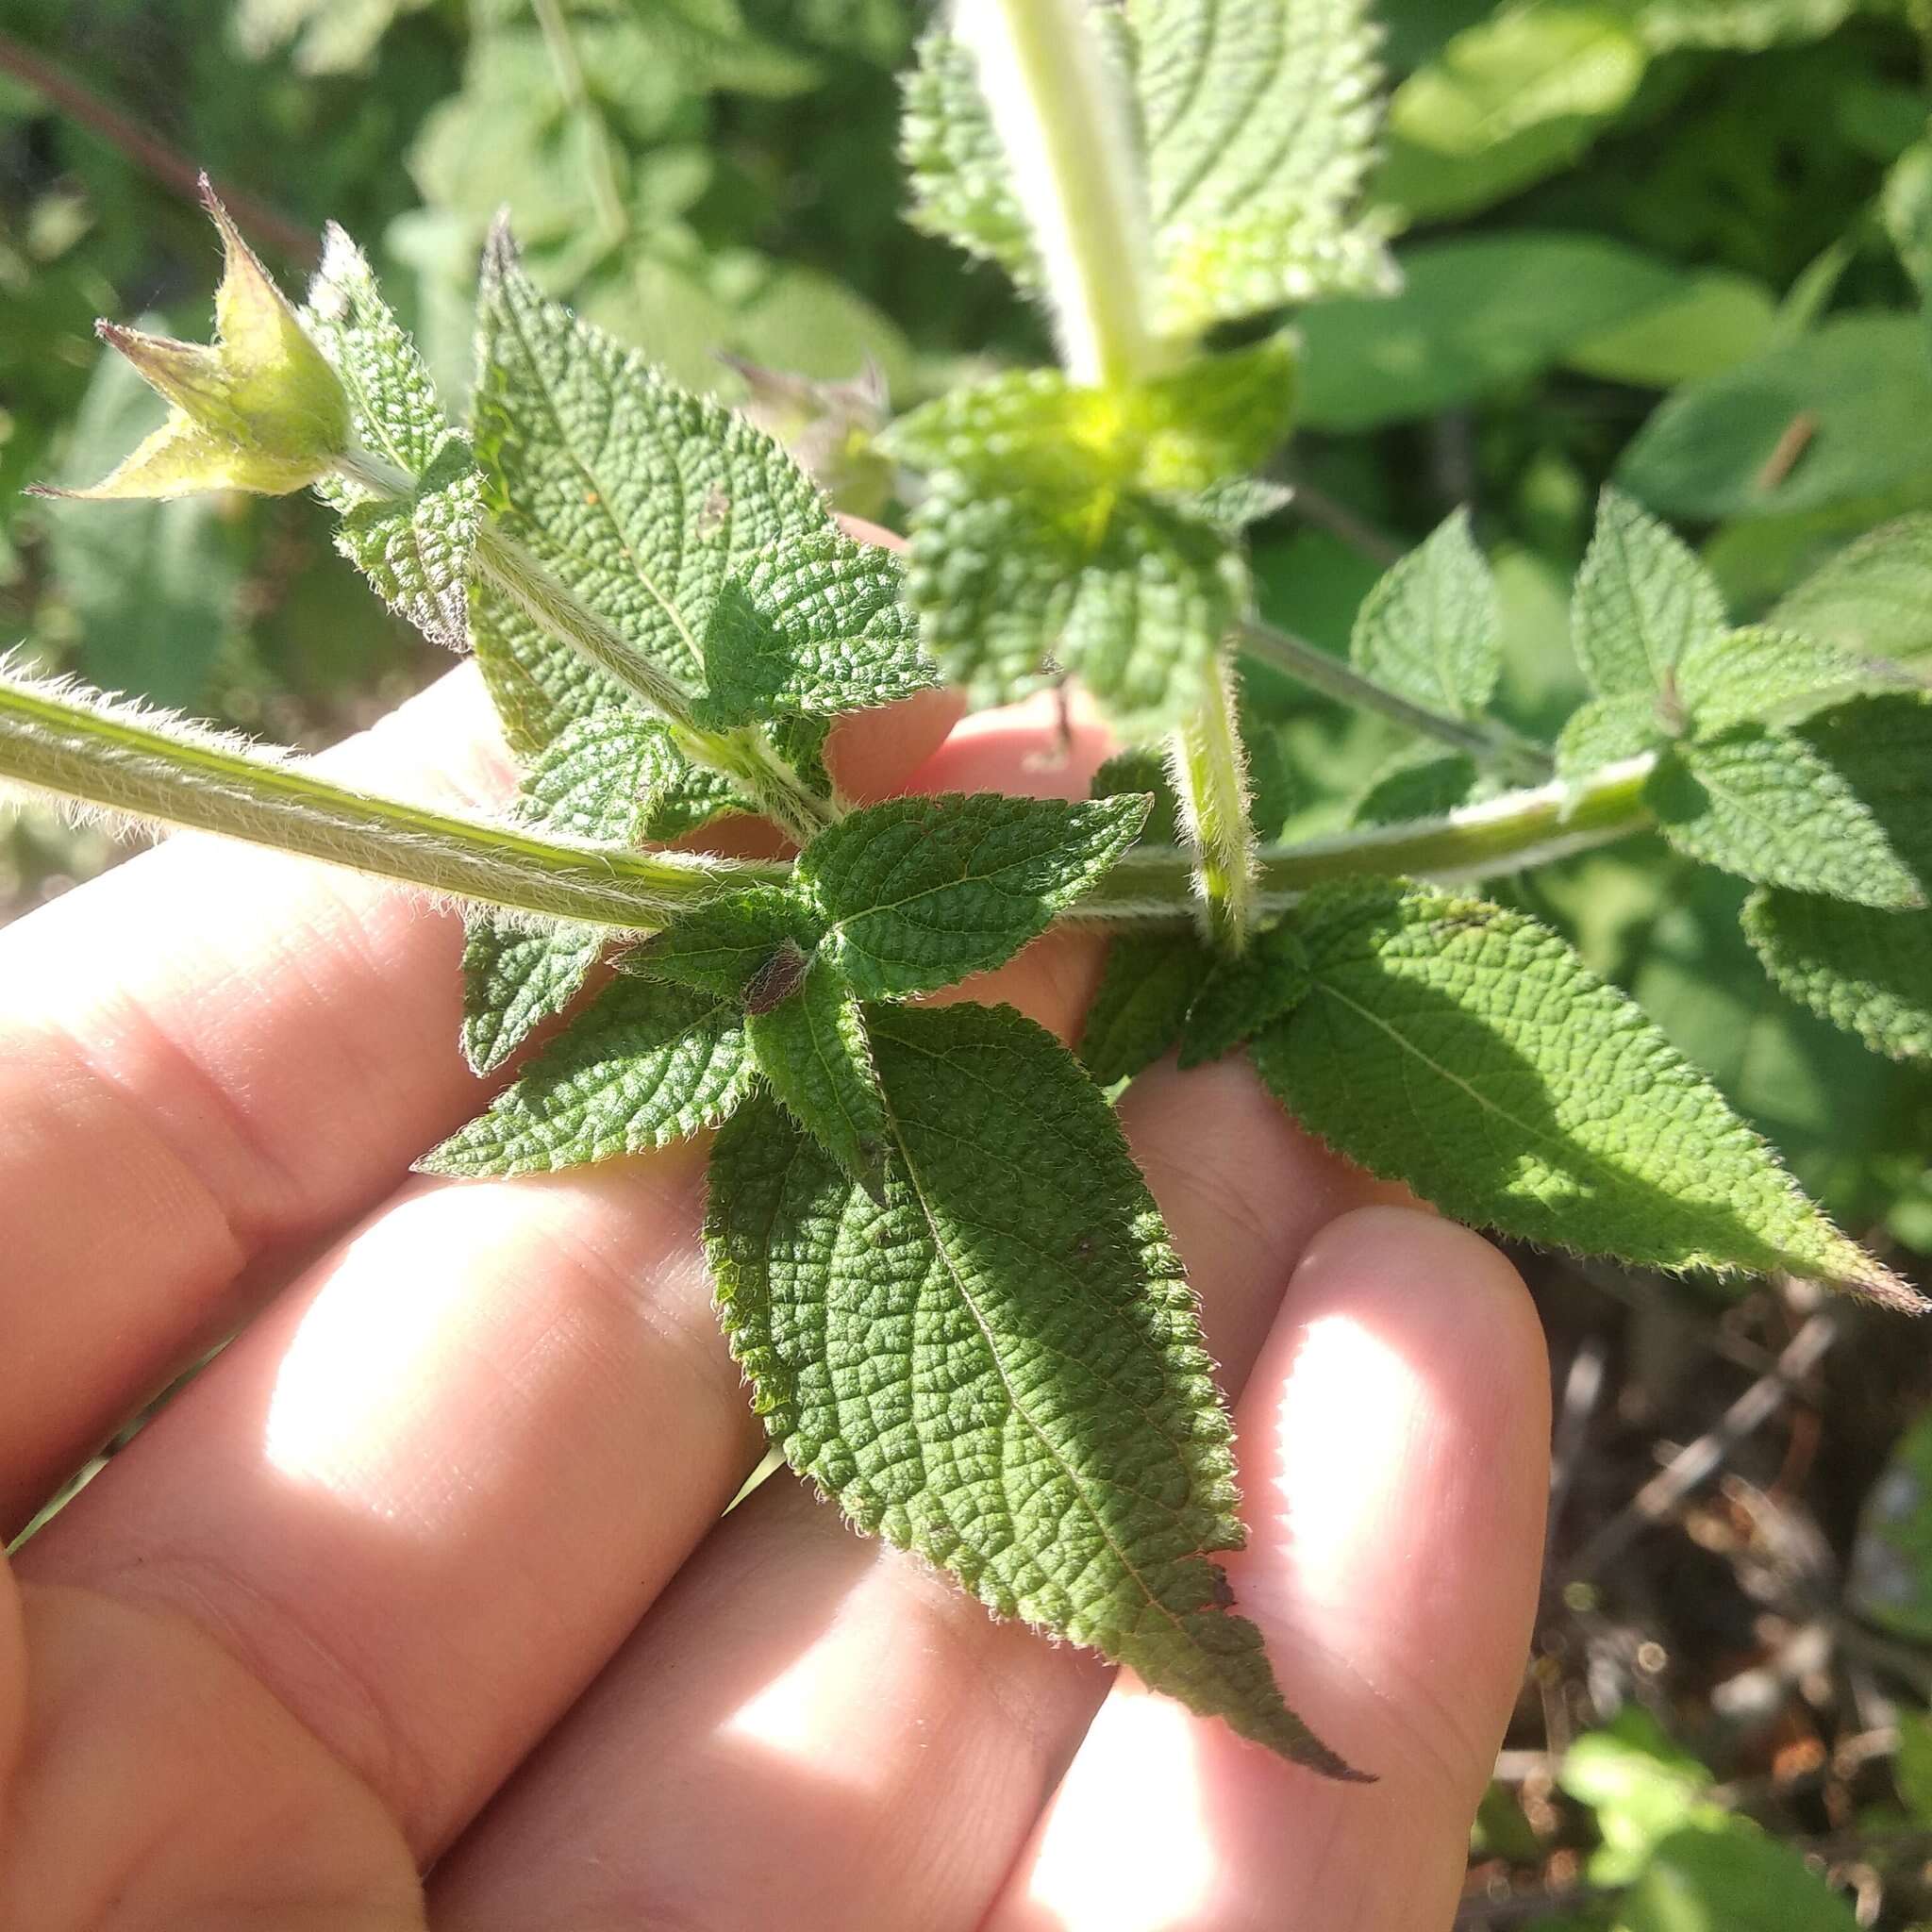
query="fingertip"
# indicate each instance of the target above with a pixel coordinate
(1396, 1456)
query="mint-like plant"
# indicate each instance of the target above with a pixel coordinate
(953, 1296)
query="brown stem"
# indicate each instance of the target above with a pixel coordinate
(274, 230)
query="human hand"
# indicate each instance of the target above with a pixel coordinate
(428, 1569)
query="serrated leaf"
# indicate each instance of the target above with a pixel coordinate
(644, 502)
(1140, 1005)
(1866, 971)
(1642, 600)
(1416, 786)
(643, 1065)
(1429, 629)
(1069, 528)
(736, 948)
(920, 893)
(1873, 598)
(1467, 1051)
(962, 186)
(414, 549)
(1605, 731)
(1767, 676)
(603, 781)
(1260, 123)
(1763, 805)
(1014, 591)
(817, 628)
(811, 1045)
(1001, 1367)
(1242, 996)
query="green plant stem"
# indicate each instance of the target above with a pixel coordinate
(607, 194)
(160, 773)
(1210, 775)
(1065, 131)
(163, 773)
(1486, 741)
(1512, 833)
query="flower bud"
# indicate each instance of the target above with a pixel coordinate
(258, 409)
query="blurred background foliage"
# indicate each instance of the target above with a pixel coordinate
(1683, 244)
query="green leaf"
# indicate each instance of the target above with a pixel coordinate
(1240, 997)
(920, 893)
(1260, 123)
(1019, 1396)
(1467, 1051)
(963, 188)
(329, 36)
(1640, 1786)
(1642, 600)
(604, 781)
(1873, 598)
(414, 549)
(811, 1045)
(1140, 1005)
(1730, 1877)
(1132, 595)
(815, 629)
(1824, 420)
(742, 949)
(1416, 785)
(1477, 316)
(1866, 971)
(1606, 731)
(1763, 805)
(643, 1065)
(1080, 529)
(1506, 103)
(1716, 320)
(641, 501)
(1770, 677)
(1429, 628)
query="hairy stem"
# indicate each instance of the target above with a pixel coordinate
(1210, 778)
(1059, 116)
(1486, 740)
(164, 773)
(1521, 830)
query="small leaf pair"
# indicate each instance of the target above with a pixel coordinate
(1735, 785)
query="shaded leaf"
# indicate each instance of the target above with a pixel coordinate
(1000, 1367)
(920, 893)
(644, 1064)
(1467, 1051)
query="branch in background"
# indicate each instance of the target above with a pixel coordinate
(147, 151)
(1696, 1463)
(1486, 740)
